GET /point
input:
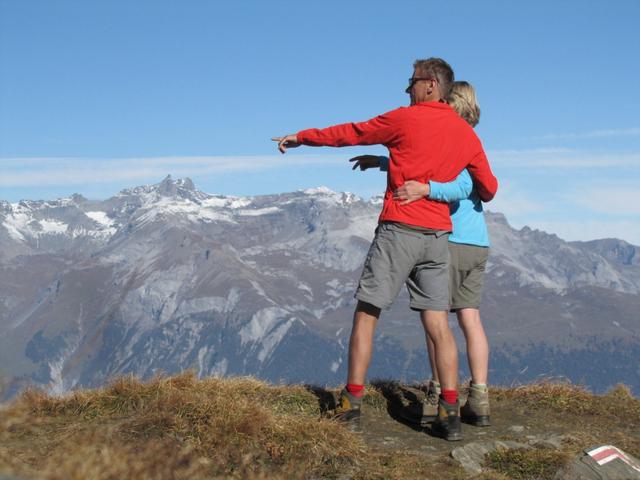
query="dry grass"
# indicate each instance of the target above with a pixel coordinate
(541, 464)
(591, 419)
(177, 427)
(567, 398)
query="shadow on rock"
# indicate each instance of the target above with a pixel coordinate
(326, 398)
(404, 404)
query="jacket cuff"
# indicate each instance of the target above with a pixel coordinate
(435, 190)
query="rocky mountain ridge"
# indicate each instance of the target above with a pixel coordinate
(166, 277)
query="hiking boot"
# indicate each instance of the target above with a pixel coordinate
(430, 403)
(422, 410)
(476, 410)
(348, 407)
(447, 423)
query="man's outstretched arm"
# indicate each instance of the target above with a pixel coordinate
(384, 129)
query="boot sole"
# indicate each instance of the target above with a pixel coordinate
(448, 436)
(347, 417)
(478, 421)
(426, 420)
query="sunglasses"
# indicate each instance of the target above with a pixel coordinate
(414, 80)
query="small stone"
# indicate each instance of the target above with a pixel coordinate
(516, 428)
(553, 440)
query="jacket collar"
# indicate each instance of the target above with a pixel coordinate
(441, 105)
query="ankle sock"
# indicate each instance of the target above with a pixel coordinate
(449, 396)
(355, 390)
(481, 387)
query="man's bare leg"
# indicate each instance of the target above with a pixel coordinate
(447, 421)
(365, 319)
(476, 410)
(477, 344)
(436, 325)
(431, 349)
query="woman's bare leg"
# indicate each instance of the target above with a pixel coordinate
(477, 344)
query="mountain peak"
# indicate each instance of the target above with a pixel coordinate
(171, 188)
(181, 188)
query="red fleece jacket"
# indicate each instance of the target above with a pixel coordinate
(427, 141)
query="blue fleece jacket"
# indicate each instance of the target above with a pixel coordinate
(465, 207)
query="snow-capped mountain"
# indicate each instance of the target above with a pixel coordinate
(165, 277)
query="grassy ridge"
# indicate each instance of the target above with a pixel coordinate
(184, 428)
(177, 427)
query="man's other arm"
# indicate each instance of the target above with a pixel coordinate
(485, 181)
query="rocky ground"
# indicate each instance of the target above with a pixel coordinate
(518, 426)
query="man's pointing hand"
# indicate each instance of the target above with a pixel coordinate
(288, 141)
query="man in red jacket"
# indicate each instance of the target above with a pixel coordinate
(426, 141)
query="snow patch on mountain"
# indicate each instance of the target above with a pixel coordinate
(15, 223)
(336, 365)
(261, 324)
(321, 190)
(20, 225)
(266, 329)
(186, 208)
(51, 227)
(259, 211)
(328, 196)
(218, 201)
(101, 218)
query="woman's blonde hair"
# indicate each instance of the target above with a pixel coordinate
(462, 99)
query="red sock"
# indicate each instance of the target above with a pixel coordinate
(355, 390)
(450, 396)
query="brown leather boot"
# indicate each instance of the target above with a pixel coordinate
(430, 403)
(348, 407)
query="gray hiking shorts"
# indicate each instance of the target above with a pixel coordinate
(466, 275)
(398, 255)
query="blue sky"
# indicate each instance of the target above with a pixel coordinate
(100, 96)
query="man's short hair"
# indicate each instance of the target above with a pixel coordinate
(440, 70)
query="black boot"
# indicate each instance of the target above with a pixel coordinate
(447, 424)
